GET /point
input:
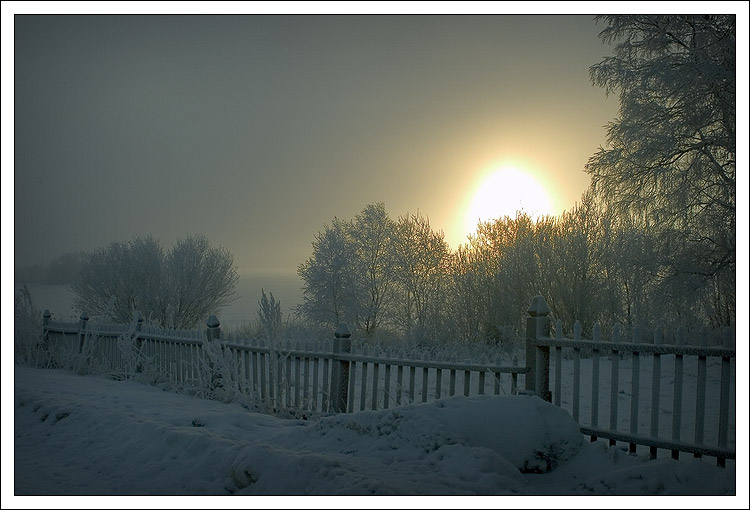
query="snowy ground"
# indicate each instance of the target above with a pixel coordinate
(85, 435)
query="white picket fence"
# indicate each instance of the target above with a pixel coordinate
(305, 377)
(596, 381)
(631, 373)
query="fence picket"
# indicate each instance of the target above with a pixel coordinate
(325, 395)
(558, 363)
(245, 359)
(595, 381)
(635, 388)
(387, 387)
(375, 380)
(363, 394)
(438, 382)
(655, 390)
(352, 379)
(400, 384)
(576, 371)
(306, 383)
(264, 391)
(297, 381)
(677, 402)
(412, 371)
(314, 389)
(615, 384)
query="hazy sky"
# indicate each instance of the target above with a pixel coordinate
(258, 130)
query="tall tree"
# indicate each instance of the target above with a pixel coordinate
(200, 279)
(330, 285)
(671, 155)
(579, 292)
(123, 277)
(469, 294)
(422, 260)
(372, 235)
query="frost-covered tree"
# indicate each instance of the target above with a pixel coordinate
(349, 276)
(372, 233)
(630, 265)
(200, 279)
(177, 289)
(130, 271)
(508, 255)
(330, 283)
(578, 290)
(422, 260)
(469, 294)
(269, 313)
(671, 158)
(373, 272)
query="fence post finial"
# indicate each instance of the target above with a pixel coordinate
(342, 331)
(538, 307)
(214, 330)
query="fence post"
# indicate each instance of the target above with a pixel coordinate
(134, 336)
(214, 330)
(137, 323)
(46, 316)
(82, 330)
(342, 344)
(537, 357)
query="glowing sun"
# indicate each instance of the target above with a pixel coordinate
(504, 192)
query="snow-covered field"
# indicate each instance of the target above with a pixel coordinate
(86, 435)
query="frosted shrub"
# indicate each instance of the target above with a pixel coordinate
(219, 377)
(270, 315)
(27, 333)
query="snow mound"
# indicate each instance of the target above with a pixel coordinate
(532, 435)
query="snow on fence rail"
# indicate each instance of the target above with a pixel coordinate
(332, 378)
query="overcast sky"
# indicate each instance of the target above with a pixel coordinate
(258, 130)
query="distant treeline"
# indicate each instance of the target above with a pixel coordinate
(59, 271)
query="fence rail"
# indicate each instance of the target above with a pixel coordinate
(613, 374)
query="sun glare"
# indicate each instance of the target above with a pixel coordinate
(504, 192)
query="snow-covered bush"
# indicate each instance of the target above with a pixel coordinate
(27, 331)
